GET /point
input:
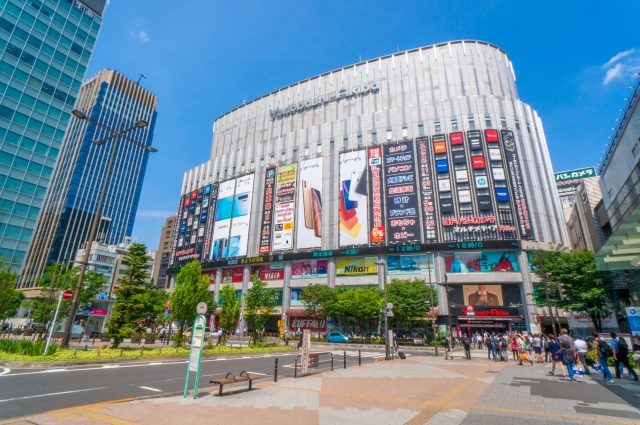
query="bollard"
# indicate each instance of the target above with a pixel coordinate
(86, 347)
(275, 371)
(345, 359)
(359, 357)
(295, 369)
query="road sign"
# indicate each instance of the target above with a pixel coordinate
(67, 295)
(389, 306)
(102, 296)
(195, 355)
(201, 308)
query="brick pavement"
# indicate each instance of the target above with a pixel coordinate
(418, 390)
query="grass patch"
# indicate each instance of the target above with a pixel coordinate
(65, 355)
(30, 348)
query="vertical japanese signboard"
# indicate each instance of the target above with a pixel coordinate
(267, 210)
(352, 198)
(309, 221)
(240, 217)
(209, 216)
(375, 195)
(403, 222)
(517, 184)
(284, 208)
(176, 233)
(426, 189)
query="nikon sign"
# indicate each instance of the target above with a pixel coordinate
(343, 92)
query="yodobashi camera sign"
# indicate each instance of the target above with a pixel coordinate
(342, 92)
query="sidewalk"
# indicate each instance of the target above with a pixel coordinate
(419, 390)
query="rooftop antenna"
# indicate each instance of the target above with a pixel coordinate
(141, 77)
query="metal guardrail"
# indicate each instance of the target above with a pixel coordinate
(314, 361)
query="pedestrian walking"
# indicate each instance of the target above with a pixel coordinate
(602, 351)
(545, 346)
(583, 350)
(621, 355)
(488, 342)
(245, 331)
(503, 344)
(466, 343)
(537, 347)
(514, 348)
(554, 350)
(567, 352)
(395, 345)
(287, 337)
(635, 350)
(447, 348)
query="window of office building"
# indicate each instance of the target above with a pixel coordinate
(487, 122)
(503, 122)
(261, 162)
(226, 172)
(242, 168)
(252, 165)
(233, 172)
(472, 122)
(295, 154)
(405, 132)
(420, 129)
(517, 125)
(528, 129)
(283, 156)
(319, 149)
(345, 143)
(389, 135)
(331, 145)
(437, 126)
(306, 150)
(218, 175)
(374, 137)
(454, 124)
(360, 140)
(273, 158)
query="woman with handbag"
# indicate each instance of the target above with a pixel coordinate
(554, 350)
(513, 347)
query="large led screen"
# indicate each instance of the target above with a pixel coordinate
(489, 261)
(352, 199)
(240, 217)
(410, 264)
(309, 228)
(222, 224)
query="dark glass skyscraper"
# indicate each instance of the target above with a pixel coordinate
(45, 47)
(114, 101)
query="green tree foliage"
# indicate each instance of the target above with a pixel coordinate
(192, 287)
(359, 305)
(259, 303)
(317, 298)
(410, 300)
(230, 311)
(154, 309)
(58, 277)
(587, 290)
(132, 300)
(10, 298)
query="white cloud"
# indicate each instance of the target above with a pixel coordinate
(613, 73)
(155, 214)
(618, 57)
(143, 36)
(627, 65)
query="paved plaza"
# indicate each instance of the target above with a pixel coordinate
(419, 390)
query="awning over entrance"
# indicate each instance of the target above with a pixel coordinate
(622, 250)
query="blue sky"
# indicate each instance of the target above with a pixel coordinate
(574, 62)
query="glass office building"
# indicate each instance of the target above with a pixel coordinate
(45, 47)
(114, 101)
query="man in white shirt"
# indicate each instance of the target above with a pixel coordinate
(581, 348)
(537, 347)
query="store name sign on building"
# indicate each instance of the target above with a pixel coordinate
(343, 92)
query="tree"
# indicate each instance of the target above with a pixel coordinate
(192, 287)
(316, 298)
(259, 303)
(360, 305)
(587, 290)
(410, 299)
(154, 309)
(132, 297)
(59, 277)
(10, 298)
(230, 311)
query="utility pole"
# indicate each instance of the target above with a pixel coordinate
(433, 321)
(546, 292)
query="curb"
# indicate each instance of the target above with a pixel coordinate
(379, 346)
(50, 365)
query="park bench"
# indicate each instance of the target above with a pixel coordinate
(230, 379)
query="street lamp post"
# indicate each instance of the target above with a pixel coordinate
(116, 135)
(385, 309)
(433, 321)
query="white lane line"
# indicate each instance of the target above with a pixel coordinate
(153, 364)
(245, 357)
(54, 370)
(50, 394)
(151, 389)
(109, 366)
(257, 373)
(5, 371)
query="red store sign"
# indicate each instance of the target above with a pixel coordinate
(492, 312)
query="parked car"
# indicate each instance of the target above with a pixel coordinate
(337, 337)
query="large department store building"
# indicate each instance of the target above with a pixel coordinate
(426, 159)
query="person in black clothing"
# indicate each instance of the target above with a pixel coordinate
(621, 355)
(466, 343)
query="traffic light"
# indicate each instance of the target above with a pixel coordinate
(538, 319)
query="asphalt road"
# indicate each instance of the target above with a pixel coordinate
(28, 391)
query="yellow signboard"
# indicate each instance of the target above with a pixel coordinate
(356, 266)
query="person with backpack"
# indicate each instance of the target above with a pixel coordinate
(568, 352)
(602, 351)
(620, 350)
(503, 348)
(488, 342)
(466, 343)
(447, 348)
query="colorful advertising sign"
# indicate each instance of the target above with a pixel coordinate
(267, 210)
(352, 199)
(403, 222)
(485, 298)
(375, 195)
(356, 266)
(568, 182)
(633, 316)
(233, 275)
(241, 215)
(284, 208)
(296, 297)
(426, 190)
(269, 272)
(309, 229)
(470, 262)
(410, 264)
(309, 269)
(176, 234)
(517, 184)
(222, 225)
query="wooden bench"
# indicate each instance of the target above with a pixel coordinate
(230, 379)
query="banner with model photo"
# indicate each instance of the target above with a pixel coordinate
(284, 208)
(480, 295)
(489, 261)
(352, 199)
(222, 224)
(401, 194)
(376, 211)
(426, 189)
(309, 269)
(410, 264)
(241, 216)
(517, 184)
(273, 271)
(267, 210)
(309, 228)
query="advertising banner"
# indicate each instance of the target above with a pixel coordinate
(267, 210)
(470, 262)
(356, 266)
(176, 233)
(403, 222)
(241, 216)
(352, 199)
(222, 224)
(284, 208)
(485, 298)
(309, 269)
(309, 228)
(377, 230)
(426, 190)
(296, 297)
(633, 316)
(568, 182)
(269, 272)
(208, 214)
(233, 275)
(517, 184)
(582, 320)
(410, 264)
